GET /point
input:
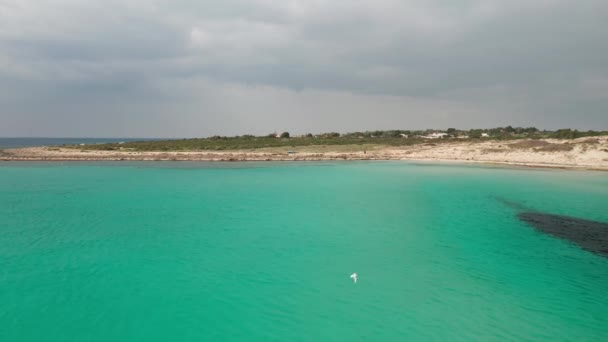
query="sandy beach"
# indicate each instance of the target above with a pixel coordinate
(583, 153)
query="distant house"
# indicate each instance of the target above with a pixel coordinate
(405, 136)
(435, 136)
(278, 136)
(485, 135)
(463, 137)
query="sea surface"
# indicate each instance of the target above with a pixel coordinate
(31, 142)
(263, 252)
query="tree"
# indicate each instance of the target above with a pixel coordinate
(285, 135)
(391, 134)
(309, 135)
(531, 130)
(566, 133)
(475, 133)
(451, 130)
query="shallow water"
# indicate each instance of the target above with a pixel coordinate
(264, 251)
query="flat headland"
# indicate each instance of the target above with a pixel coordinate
(575, 153)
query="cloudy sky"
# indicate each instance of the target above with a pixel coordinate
(185, 68)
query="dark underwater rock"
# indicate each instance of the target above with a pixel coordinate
(589, 235)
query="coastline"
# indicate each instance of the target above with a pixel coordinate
(577, 154)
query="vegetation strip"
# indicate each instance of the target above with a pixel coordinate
(385, 138)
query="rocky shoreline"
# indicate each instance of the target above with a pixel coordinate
(591, 154)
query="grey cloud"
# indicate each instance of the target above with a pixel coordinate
(189, 68)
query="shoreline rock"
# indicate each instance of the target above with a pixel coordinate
(578, 155)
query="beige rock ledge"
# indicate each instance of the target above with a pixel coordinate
(566, 154)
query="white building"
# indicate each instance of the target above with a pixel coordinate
(435, 136)
(485, 135)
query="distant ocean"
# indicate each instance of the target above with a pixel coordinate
(180, 251)
(30, 142)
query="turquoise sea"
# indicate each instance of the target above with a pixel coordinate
(263, 252)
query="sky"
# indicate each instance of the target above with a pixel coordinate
(195, 68)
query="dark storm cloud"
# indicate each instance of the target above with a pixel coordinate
(190, 68)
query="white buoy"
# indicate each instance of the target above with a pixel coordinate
(354, 277)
